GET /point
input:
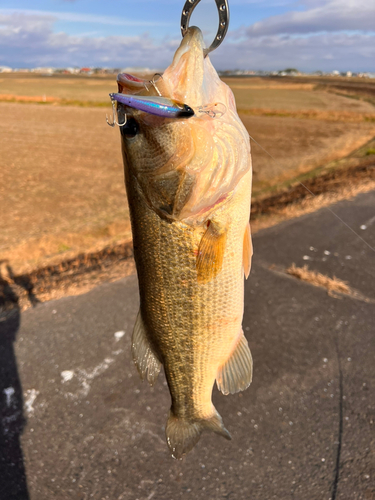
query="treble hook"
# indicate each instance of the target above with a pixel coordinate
(153, 83)
(223, 9)
(114, 113)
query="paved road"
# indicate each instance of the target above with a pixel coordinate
(303, 430)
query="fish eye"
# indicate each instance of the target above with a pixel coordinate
(130, 129)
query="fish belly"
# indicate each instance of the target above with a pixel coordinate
(191, 327)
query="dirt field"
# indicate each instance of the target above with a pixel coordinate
(61, 179)
(80, 88)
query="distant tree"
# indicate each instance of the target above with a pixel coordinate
(289, 70)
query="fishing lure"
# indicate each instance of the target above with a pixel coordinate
(155, 105)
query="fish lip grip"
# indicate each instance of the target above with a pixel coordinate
(223, 10)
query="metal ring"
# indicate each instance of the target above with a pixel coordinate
(223, 10)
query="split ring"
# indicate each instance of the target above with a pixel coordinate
(223, 10)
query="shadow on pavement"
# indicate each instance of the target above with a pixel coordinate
(13, 484)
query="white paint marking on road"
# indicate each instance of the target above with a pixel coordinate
(119, 335)
(9, 393)
(67, 375)
(367, 224)
(30, 397)
(85, 378)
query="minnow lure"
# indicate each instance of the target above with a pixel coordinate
(155, 105)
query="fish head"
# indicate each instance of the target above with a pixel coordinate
(186, 167)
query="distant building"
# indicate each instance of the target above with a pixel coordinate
(44, 71)
(5, 69)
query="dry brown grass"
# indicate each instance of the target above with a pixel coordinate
(299, 145)
(311, 204)
(27, 98)
(335, 287)
(317, 279)
(311, 114)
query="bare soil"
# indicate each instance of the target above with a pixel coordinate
(61, 183)
(83, 272)
(78, 87)
(61, 175)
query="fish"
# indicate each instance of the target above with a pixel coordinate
(188, 184)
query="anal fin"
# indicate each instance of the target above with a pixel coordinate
(147, 364)
(237, 372)
(211, 252)
(247, 251)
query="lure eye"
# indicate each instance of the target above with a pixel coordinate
(130, 129)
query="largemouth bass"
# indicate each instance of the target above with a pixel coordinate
(188, 182)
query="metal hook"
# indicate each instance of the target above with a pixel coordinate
(223, 9)
(153, 82)
(114, 113)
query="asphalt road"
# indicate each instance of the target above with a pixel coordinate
(77, 423)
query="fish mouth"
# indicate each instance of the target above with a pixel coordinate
(183, 81)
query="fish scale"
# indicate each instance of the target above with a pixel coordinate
(191, 268)
(188, 323)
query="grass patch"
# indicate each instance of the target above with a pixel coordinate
(53, 101)
(63, 248)
(370, 151)
(311, 114)
(317, 279)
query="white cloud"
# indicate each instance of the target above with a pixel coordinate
(30, 40)
(325, 52)
(328, 15)
(82, 18)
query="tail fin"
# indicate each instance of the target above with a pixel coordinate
(183, 434)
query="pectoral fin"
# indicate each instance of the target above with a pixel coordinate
(211, 252)
(247, 251)
(147, 364)
(236, 374)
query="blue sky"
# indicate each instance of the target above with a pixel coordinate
(307, 34)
